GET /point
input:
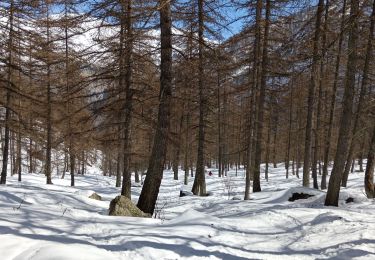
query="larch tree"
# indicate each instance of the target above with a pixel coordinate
(347, 113)
(311, 96)
(150, 190)
(9, 87)
(199, 186)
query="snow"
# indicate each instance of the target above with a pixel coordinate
(39, 221)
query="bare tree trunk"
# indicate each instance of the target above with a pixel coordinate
(364, 85)
(150, 190)
(18, 164)
(220, 150)
(8, 96)
(360, 159)
(187, 149)
(19, 158)
(276, 124)
(268, 145)
(311, 97)
(83, 166)
(119, 153)
(68, 91)
(298, 149)
(126, 177)
(48, 170)
(333, 191)
(262, 93)
(31, 163)
(289, 129)
(252, 120)
(12, 154)
(199, 186)
(333, 101)
(369, 174)
(176, 158)
(316, 150)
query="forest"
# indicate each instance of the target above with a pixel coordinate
(187, 129)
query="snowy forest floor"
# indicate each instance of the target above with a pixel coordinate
(39, 221)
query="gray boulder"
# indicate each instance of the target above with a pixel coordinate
(122, 206)
(95, 196)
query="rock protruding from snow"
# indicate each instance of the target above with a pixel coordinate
(95, 196)
(122, 206)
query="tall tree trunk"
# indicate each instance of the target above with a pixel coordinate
(361, 101)
(254, 77)
(360, 159)
(72, 167)
(327, 146)
(199, 186)
(31, 164)
(316, 150)
(275, 132)
(150, 190)
(126, 178)
(83, 165)
(8, 96)
(19, 153)
(333, 191)
(119, 154)
(48, 169)
(187, 150)
(268, 145)
(298, 149)
(311, 96)
(176, 155)
(261, 100)
(68, 91)
(219, 125)
(289, 130)
(369, 174)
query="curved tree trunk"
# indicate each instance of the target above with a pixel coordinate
(150, 190)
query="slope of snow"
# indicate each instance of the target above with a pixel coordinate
(39, 221)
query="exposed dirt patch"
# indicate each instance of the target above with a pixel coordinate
(299, 196)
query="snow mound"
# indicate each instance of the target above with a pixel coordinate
(84, 193)
(191, 216)
(283, 196)
(54, 251)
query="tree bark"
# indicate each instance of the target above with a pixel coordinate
(48, 169)
(150, 190)
(199, 186)
(361, 101)
(254, 77)
(311, 97)
(126, 177)
(333, 101)
(8, 97)
(369, 174)
(261, 101)
(347, 114)
(176, 155)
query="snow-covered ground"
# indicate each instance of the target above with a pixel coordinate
(39, 221)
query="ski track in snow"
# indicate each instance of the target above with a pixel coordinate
(39, 221)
